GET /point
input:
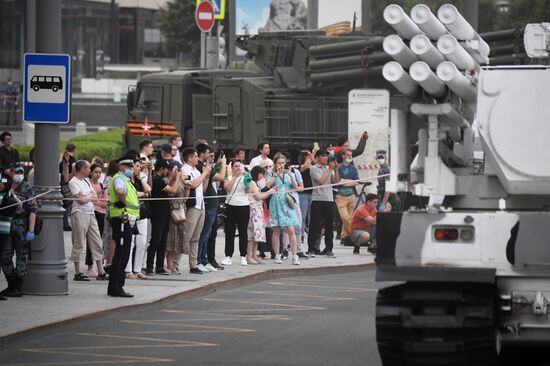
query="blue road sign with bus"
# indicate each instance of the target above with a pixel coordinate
(47, 88)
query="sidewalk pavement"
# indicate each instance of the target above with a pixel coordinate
(19, 315)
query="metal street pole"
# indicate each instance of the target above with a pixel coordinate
(312, 14)
(470, 11)
(212, 52)
(366, 7)
(203, 50)
(47, 271)
(113, 33)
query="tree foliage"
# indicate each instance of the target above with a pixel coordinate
(177, 24)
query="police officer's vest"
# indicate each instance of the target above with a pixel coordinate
(132, 202)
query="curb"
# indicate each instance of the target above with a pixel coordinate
(13, 339)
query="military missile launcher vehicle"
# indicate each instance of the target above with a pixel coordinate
(474, 264)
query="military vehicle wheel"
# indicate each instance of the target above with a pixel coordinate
(436, 324)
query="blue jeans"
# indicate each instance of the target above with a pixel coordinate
(305, 202)
(209, 220)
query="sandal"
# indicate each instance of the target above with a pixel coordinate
(81, 277)
(141, 276)
(131, 276)
(102, 277)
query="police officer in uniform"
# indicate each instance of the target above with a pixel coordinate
(123, 213)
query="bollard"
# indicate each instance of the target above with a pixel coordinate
(28, 133)
(80, 129)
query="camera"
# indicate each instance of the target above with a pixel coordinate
(187, 177)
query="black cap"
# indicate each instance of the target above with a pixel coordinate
(17, 167)
(166, 148)
(161, 163)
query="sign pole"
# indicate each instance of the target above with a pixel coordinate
(47, 271)
(203, 50)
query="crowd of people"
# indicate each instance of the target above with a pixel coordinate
(141, 214)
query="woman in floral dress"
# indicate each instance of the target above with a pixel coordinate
(282, 216)
(257, 221)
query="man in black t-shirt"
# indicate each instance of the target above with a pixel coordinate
(160, 216)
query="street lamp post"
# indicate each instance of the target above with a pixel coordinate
(47, 271)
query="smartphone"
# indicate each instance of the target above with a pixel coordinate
(316, 145)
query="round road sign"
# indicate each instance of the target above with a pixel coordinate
(204, 16)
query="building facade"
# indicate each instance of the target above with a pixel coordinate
(87, 27)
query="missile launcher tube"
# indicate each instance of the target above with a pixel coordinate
(428, 80)
(456, 81)
(378, 58)
(396, 48)
(345, 74)
(400, 21)
(427, 21)
(345, 47)
(454, 52)
(394, 73)
(422, 47)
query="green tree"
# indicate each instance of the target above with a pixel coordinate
(521, 12)
(177, 24)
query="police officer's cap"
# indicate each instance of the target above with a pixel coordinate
(381, 152)
(128, 160)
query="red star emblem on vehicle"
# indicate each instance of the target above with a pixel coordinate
(146, 128)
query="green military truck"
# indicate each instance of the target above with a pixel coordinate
(299, 96)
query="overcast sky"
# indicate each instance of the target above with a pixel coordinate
(331, 11)
(254, 13)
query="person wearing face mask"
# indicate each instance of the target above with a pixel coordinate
(177, 143)
(123, 214)
(16, 240)
(383, 196)
(346, 193)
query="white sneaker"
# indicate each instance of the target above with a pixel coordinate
(91, 273)
(278, 259)
(202, 268)
(210, 267)
(296, 260)
(243, 261)
(252, 261)
(227, 261)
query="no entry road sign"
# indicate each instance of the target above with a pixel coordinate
(204, 16)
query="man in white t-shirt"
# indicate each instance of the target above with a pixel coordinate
(263, 147)
(195, 204)
(83, 222)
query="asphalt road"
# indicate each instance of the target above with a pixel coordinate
(301, 320)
